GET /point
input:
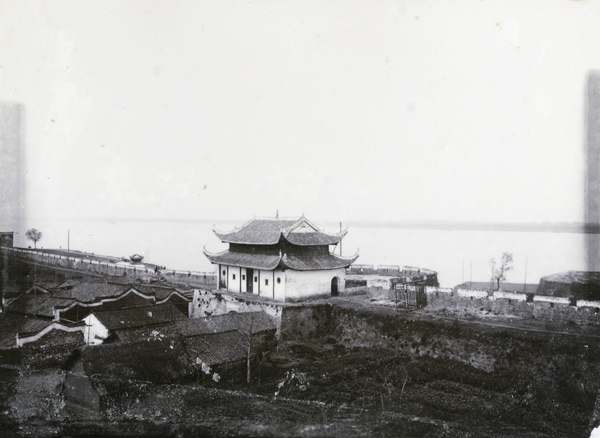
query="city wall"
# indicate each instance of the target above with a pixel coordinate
(291, 320)
(412, 273)
(464, 302)
(130, 270)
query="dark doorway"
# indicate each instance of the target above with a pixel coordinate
(222, 278)
(249, 280)
(334, 287)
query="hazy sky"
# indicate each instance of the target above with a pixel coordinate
(385, 110)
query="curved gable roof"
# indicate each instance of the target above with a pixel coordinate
(270, 231)
(257, 232)
(320, 262)
(255, 261)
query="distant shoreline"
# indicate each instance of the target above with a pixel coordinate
(489, 226)
(542, 227)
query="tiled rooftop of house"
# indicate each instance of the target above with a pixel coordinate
(257, 321)
(88, 292)
(10, 326)
(140, 316)
(216, 348)
(37, 304)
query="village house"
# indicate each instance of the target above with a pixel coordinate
(90, 299)
(37, 305)
(101, 325)
(74, 300)
(210, 349)
(281, 259)
(224, 343)
(96, 374)
(37, 342)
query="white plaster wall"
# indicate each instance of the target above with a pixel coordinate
(472, 293)
(586, 303)
(549, 299)
(266, 290)
(509, 295)
(432, 289)
(379, 282)
(95, 332)
(279, 287)
(300, 285)
(233, 282)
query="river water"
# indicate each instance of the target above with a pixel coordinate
(457, 255)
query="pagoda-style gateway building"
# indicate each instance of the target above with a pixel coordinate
(281, 259)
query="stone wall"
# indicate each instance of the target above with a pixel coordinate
(207, 303)
(462, 302)
(291, 320)
(306, 321)
(411, 273)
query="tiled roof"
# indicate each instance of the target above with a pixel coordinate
(11, 325)
(258, 321)
(313, 238)
(317, 262)
(160, 292)
(139, 316)
(217, 348)
(89, 292)
(68, 284)
(258, 232)
(255, 261)
(311, 262)
(270, 231)
(39, 305)
(118, 366)
(159, 332)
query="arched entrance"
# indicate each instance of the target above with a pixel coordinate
(334, 287)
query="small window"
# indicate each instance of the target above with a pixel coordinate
(233, 276)
(243, 277)
(266, 281)
(278, 280)
(223, 272)
(255, 279)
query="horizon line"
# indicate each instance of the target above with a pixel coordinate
(557, 227)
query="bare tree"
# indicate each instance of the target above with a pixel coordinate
(499, 272)
(247, 330)
(34, 235)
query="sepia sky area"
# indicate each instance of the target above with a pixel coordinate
(467, 111)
